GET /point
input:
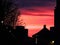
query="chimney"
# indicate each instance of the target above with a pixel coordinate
(44, 26)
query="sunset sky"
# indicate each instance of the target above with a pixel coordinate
(36, 13)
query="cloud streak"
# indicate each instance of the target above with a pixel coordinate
(31, 3)
(37, 11)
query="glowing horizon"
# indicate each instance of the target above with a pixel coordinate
(35, 17)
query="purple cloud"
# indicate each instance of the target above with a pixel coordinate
(29, 3)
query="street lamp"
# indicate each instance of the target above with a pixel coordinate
(2, 22)
(52, 42)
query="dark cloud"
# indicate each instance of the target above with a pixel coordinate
(42, 15)
(29, 3)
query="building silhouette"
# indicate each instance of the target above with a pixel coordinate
(10, 36)
(57, 22)
(56, 15)
(22, 35)
(42, 37)
(30, 41)
(19, 36)
(52, 33)
(6, 35)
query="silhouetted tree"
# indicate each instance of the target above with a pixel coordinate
(8, 12)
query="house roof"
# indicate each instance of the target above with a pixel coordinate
(43, 31)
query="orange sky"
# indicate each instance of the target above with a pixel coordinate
(35, 17)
